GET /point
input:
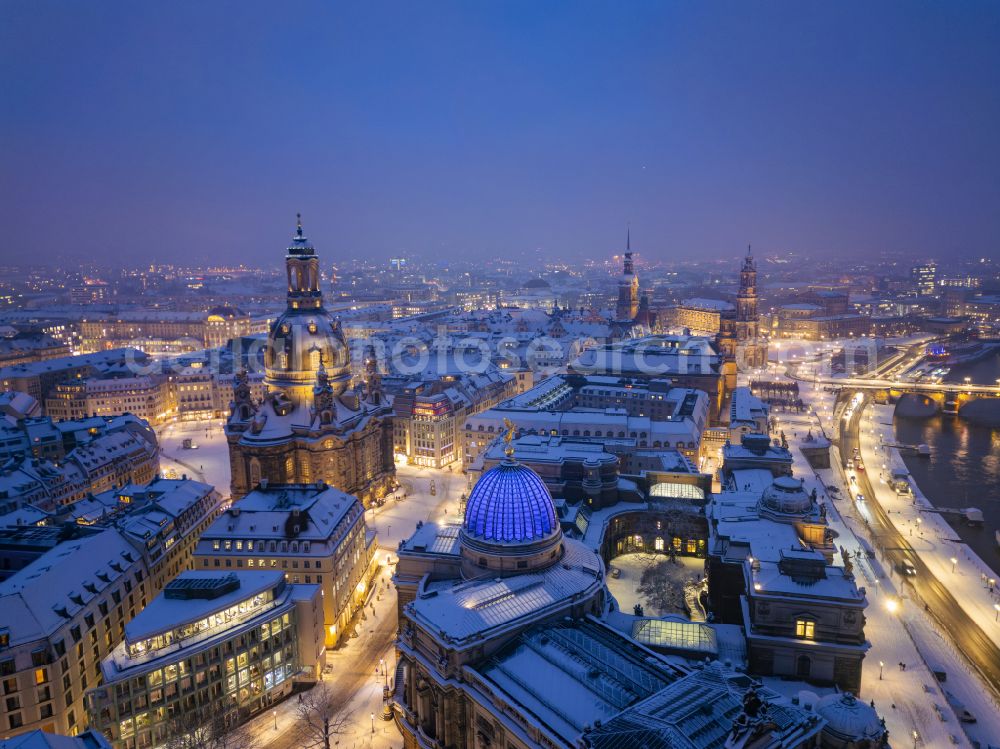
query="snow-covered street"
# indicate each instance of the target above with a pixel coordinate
(912, 699)
(929, 533)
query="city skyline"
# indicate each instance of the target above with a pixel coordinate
(507, 375)
(471, 132)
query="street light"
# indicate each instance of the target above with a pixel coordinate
(953, 563)
(997, 607)
(373, 722)
(892, 605)
(274, 714)
(881, 665)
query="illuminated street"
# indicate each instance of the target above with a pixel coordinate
(928, 644)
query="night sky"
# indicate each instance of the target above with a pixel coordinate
(190, 131)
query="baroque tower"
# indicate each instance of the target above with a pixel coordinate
(746, 298)
(739, 334)
(628, 286)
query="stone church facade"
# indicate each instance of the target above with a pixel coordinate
(314, 424)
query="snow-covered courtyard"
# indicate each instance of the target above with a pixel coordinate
(625, 587)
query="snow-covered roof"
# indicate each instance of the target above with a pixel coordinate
(711, 305)
(471, 609)
(165, 613)
(48, 592)
(698, 711)
(567, 675)
(431, 538)
(265, 512)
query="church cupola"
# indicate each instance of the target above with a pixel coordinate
(302, 266)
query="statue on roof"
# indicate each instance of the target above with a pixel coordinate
(242, 406)
(508, 439)
(323, 395)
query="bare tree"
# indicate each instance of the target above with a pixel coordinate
(321, 717)
(197, 730)
(660, 588)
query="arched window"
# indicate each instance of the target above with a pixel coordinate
(254, 473)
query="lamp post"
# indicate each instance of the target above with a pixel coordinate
(997, 607)
(954, 562)
(373, 722)
(881, 665)
(274, 714)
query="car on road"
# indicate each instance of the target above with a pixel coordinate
(905, 567)
(860, 497)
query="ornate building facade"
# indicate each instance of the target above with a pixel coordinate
(314, 423)
(509, 639)
(739, 333)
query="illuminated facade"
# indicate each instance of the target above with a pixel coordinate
(210, 642)
(429, 417)
(312, 534)
(76, 587)
(314, 424)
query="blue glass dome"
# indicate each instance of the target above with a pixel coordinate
(510, 503)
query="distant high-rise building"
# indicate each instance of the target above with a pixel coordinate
(397, 263)
(925, 278)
